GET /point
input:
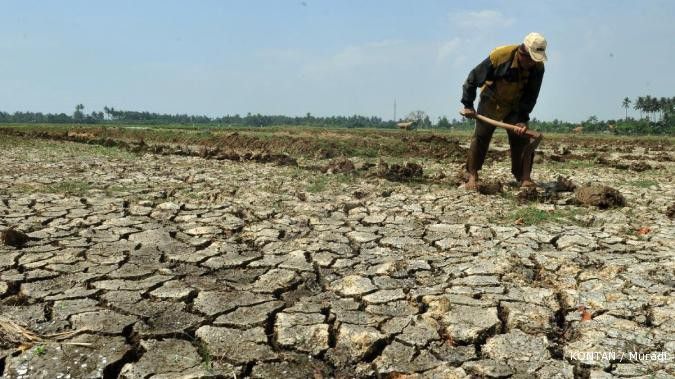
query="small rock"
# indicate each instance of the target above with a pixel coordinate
(356, 341)
(384, 296)
(467, 324)
(352, 285)
(517, 346)
(304, 332)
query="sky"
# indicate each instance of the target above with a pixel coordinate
(325, 57)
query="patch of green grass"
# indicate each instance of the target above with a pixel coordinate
(110, 152)
(70, 187)
(345, 178)
(532, 215)
(40, 350)
(23, 188)
(111, 190)
(643, 183)
(205, 354)
(574, 164)
(317, 184)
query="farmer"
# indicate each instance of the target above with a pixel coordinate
(510, 79)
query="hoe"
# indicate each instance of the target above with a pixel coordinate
(535, 137)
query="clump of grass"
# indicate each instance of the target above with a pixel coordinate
(345, 178)
(533, 216)
(643, 183)
(318, 184)
(205, 354)
(40, 350)
(575, 164)
(110, 152)
(70, 187)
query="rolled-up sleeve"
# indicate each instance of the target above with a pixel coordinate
(476, 78)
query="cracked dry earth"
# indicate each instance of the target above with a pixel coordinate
(181, 267)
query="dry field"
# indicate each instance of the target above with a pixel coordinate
(303, 253)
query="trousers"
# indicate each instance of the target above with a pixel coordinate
(480, 142)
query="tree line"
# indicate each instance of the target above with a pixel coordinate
(116, 116)
(657, 116)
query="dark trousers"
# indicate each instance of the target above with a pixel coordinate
(483, 134)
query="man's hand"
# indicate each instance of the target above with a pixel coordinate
(522, 128)
(468, 112)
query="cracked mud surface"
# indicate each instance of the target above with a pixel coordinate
(173, 266)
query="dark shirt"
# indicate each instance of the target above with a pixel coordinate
(500, 65)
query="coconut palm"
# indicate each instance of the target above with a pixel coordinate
(626, 104)
(639, 105)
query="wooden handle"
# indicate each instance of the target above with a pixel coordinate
(503, 125)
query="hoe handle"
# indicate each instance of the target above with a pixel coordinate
(503, 125)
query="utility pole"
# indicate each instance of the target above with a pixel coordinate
(394, 110)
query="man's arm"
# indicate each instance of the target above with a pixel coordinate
(530, 95)
(476, 78)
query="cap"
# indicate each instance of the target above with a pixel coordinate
(535, 44)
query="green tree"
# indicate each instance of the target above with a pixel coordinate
(78, 115)
(639, 105)
(626, 105)
(443, 123)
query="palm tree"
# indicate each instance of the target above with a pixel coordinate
(626, 104)
(78, 114)
(639, 105)
(663, 106)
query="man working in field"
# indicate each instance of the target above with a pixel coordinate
(510, 79)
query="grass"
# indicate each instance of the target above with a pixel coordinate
(40, 350)
(70, 187)
(205, 354)
(54, 149)
(643, 183)
(532, 215)
(571, 164)
(318, 184)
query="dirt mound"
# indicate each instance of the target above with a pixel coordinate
(496, 155)
(432, 145)
(490, 187)
(13, 237)
(208, 152)
(561, 150)
(280, 159)
(400, 173)
(639, 166)
(434, 138)
(563, 184)
(527, 195)
(670, 212)
(339, 165)
(550, 191)
(633, 166)
(599, 196)
(663, 157)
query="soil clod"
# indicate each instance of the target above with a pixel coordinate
(490, 187)
(599, 196)
(339, 166)
(13, 237)
(670, 212)
(400, 173)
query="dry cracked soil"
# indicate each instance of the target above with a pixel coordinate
(166, 266)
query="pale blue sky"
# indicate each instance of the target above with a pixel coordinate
(325, 57)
